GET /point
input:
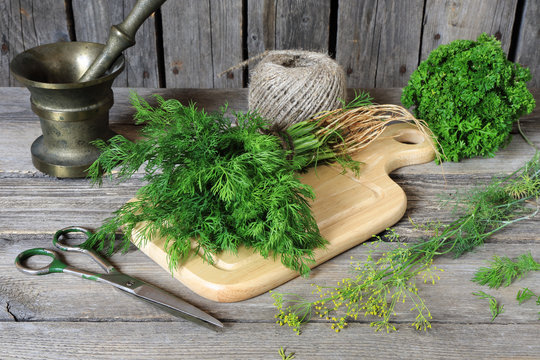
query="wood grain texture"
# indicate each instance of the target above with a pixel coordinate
(11, 39)
(448, 20)
(261, 26)
(378, 41)
(226, 20)
(93, 20)
(25, 24)
(203, 38)
(528, 44)
(302, 24)
(42, 22)
(240, 341)
(278, 25)
(188, 54)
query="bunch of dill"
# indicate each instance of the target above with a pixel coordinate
(387, 278)
(223, 184)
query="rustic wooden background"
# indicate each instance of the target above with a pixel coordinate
(189, 43)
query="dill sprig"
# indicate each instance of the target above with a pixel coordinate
(502, 271)
(525, 294)
(284, 356)
(384, 280)
(494, 306)
(219, 182)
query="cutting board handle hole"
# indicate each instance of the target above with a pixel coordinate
(410, 137)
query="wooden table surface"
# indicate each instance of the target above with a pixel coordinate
(61, 317)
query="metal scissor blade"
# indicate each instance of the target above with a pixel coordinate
(174, 305)
(160, 298)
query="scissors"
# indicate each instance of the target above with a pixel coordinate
(130, 285)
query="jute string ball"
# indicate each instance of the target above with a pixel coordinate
(288, 86)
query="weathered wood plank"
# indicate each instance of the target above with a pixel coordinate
(168, 341)
(43, 22)
(358, 41)
(303, 24)
(450, 300)
(187, 44)
(448, 20)
(378, 42)
(18, 137)
(11, 40)
(294, 24)
(202, 39)
(15, 102)
(174, 340)
(93, 20)
(261, 27)
(226, 20)
(528, 46)
(25, 24)
(54, 203)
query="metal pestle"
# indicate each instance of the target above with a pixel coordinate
(121, 37)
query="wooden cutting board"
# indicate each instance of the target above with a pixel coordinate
(348, 210)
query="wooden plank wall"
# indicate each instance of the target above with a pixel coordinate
(188, 44)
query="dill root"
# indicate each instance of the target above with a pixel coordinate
(388, 278)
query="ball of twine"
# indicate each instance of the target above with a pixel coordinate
(289, 86)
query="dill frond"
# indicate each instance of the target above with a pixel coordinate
(494, 306)
(525, 294)
(502, 271)
(284, 355)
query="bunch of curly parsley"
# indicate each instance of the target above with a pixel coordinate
(470, 95)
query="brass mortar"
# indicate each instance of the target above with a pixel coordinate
(72, 113)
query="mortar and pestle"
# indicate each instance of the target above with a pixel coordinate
(70, 91)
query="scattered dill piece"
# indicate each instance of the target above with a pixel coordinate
(525, 294)
(295, 314)
(488, 209)
(502, 271)
(494, 306)
(284, 355)
(387, 278)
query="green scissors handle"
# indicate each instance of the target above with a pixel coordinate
(105, 265)
(56, 266)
